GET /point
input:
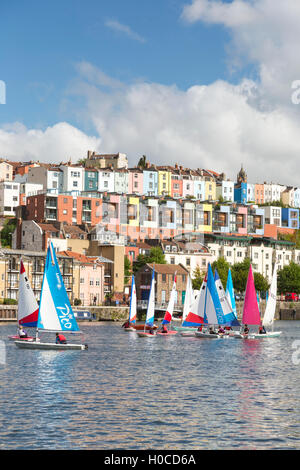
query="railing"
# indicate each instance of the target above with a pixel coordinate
(143, 304)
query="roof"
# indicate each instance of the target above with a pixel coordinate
(168, 268)
(83, 259)
(47, 227)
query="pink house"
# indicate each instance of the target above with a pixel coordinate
(88, 278)
(135, 181)
(241, 220)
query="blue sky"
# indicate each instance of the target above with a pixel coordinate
(42, 41)
(205, 83)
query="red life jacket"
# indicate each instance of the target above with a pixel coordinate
(61, 337)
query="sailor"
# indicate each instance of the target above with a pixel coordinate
(164, 329)
(262, 330)
(221, 330)
(60, 339)
(22, 333)
(211, 331)
(246, 330)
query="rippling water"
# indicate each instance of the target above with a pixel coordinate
(127, 392)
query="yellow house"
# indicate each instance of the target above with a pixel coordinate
(204, 218)
(164, 181)
(210, 191)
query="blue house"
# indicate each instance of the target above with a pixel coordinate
(91, 179)
(290, 218)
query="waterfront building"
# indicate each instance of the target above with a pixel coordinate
(225, 189)
(116, 160)
(135, 181)
(150, 181)
(73, 177)
(273, 215)
(90, 179)
(9, 198)
(290, 218)
(121, 181)
(6, 171)
(164, 278)
(259, 193)
(164, 180)
(287, 196)
(50, 177)
(106, 180)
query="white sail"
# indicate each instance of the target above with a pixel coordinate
(189, 298)
(27, 305)
(151, 303)
(271, 304)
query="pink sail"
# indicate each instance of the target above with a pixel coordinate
(251, 314)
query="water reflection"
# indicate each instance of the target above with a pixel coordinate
(130, 392)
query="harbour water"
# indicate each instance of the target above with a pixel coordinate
(127, 392)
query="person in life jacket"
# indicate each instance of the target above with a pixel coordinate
(22, 333)
(60, 339)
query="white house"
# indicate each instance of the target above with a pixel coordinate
(106, 180)
(9, 197)
(225, 189)
(73, 178)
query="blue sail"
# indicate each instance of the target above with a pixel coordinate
(55, 312)
(231, 298)
(213, 308)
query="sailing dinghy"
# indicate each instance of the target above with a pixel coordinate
(28, 308)
(132, 308)
(148, 327)
(195, 318)
(169, 313)
(188, 302)
(268, 320)
(55, 312)
(251, 315)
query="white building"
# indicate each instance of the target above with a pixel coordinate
(272, 215)
(29, 189)
(9, 197)
(226, 190)
(250, 192)
(73, 178)
(106, 180)
(51, 178)
(121, 181)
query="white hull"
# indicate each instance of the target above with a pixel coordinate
(271, 334)
(199, 334)
(130, 328)
(53, 346)
(187, 333)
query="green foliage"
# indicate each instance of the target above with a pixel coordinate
(289, 279)
(127, 270)
(222, 267)
(261, 283)
(197, 278)
(7, 231)
(9, 302)
(155, 256)
(239, 274)
(142, 162)
(77, 302)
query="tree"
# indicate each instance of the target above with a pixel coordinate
(222, 267)
(289, 278)
(127, 270)
(260, 282)
(197, 278)
(239, 273)
(156, 256)
(7, 231)
(142, 161)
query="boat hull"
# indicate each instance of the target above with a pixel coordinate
(48, 346)
(271, 334)
(199, 334)
(188, 334)
(16, 337)
(184, 328)
(143, 327)
(170, 333)
(144, 334)
(130, 328)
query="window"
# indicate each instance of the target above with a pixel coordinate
(188, 261)
(164, 278)
(82, 280)
(91, 282)
(75, 184)
(172, 260)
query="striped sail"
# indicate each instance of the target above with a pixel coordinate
(196, 315)
(169, 313)
(230, 293)
(226, 305)
(55, 312)
(271, 304)
(151, 303)
(213, 308)
(133, 302)
(28, 308)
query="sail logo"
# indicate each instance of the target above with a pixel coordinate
(59, 285)
(65, 316)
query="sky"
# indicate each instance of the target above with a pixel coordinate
(202, 83)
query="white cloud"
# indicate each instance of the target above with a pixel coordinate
(54, 144)
(122, 28)
(215, 126)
